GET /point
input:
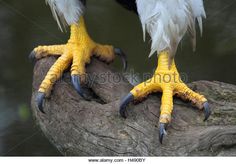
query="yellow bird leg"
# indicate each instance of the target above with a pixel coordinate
(78, 51)
(166, 79)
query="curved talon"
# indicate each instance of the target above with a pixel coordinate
(32, 56)
(123, 57)
(76, 83)
(124, 103)
(162, 131)
(207, 111)
(40, 100)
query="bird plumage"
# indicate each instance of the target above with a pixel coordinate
(66, 12)
(167, 21)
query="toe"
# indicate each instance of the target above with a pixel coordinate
(186, 93)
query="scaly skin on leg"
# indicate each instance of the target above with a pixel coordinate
(166, 79)
(78, 51)
(44, 51)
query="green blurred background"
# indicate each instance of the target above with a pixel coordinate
(25, 24)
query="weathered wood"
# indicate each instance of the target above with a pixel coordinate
(88, 128)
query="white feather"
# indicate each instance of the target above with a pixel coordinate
(167, 21)
(66, 12)
(198, 12)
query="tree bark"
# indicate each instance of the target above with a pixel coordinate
(94, 128)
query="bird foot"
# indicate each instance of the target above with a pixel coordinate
(167, 80)
(78, 51)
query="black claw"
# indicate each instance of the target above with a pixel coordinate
(123, 57)
(40, 100)
(32, 56)
(76, 83)
(162, 131)
(124, 103)
(207, 111)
